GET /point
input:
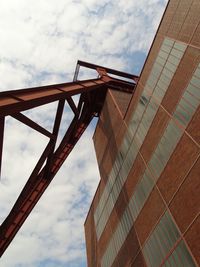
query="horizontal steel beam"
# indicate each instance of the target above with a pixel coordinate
(108, 70)
(19, 100)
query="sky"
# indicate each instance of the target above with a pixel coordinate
(40, 43)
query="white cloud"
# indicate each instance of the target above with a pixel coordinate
(40, 44)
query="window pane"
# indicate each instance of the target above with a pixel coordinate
(194, 90)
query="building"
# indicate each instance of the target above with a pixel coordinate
(146, 208)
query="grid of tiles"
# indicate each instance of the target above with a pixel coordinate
(161, 155)
(159, 79)
(162, 242)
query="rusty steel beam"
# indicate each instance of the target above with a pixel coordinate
(107, 70)
(92, 95)
(2, 123)
(72, 105)
(56, 127)
(15, 101)
(24, 119)
(39, 181)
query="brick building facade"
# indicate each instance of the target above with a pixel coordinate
(146, 208)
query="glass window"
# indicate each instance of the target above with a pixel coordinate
(167, 73)
(194, 91)
(173, 133)
(161, 237)
(163, 55)
(161, 154)
(134, 122)
(173, 60)
(139, 196)
(166, 145)
(197, 72)
(195, 81)
(158, 92)
(141, 133)
(168, 41)
(157, 67)
(171, 231)
(180, 257)
(177, 53)
(165, 48)
(186, 106)
(156, 255)
(133, 208)
(161, 61)
(156, 166)
(171, 67)
(191, 99)
(148, 182)
(180, 46)
(185, 255)
(163, 82)
(182, 115)
(161, 241)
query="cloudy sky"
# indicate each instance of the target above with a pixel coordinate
(40, 42)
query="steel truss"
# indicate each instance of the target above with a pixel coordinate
(12, 103)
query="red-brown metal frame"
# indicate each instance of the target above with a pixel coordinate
(92, 95)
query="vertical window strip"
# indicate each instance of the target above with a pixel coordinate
(118, 238)
(162, 234)
(136, 203)
(180, 257)
(172, 134)
(164, 149)
(147, 108)
(144, 187)
(116, 189)
(190, 100)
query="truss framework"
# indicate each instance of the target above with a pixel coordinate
(12, 103)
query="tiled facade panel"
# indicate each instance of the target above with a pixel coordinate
(143, 78)
(91, 242)
(135, 174)
(111, 123)
(106, 127)
(167, 18)
(179, 18)
(154, 134)
(177, 168)
(122, 202)
(187, 199)
(148, 217)
(100, 134)
(108, 232)
(191, 22)
(196, 37)
(122, 100)
(128, 251)
(180, 81)
(192, 237)
(139, 261)
(194, 127)
(108, 160)
(165, 246)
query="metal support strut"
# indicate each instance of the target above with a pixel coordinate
(92, 94)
